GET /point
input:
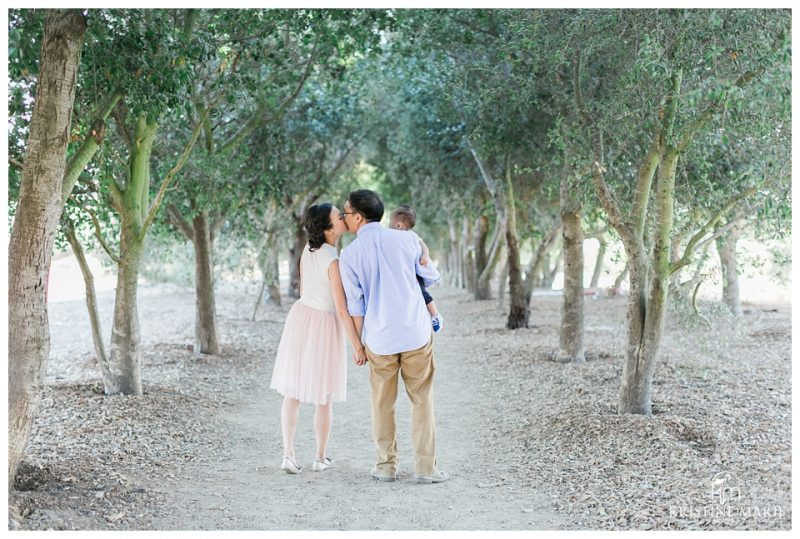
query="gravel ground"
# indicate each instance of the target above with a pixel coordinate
(530, 443)
(722, 409)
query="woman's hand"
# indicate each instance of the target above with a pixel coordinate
(360, 356)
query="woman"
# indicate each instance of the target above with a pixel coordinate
(311, 363)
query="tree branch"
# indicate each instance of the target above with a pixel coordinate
(151, 213)
(117, 196)
(609, 204)
(596, 234)
(207, 128)
(216, 224)
(179, 221)
(713, 109)
(686, 258)
(89, 148)
(496, 190)
(576, 83)
(256, 119)
(475, 27)
(338, 164)
(486, 174)
(291, 97)
(120, 115)
(549, 239)
(99, 234)
(498, 241)
(719, 232)
(604, 193)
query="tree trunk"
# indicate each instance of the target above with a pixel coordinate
(205, 324)
(632, 388)
(268, 264)
(549, 272)
(572, 313)
(598, 265)
(482, 285)
(91, 304)
(270, 269)
(268, 257)
(201, 233)
(35, 223)
(537, 260)
(644, 341)
(454, 259)
(503, 284)
(541, 276)
(273, 282)
(258, 299)
(502, 193)
(126, 341)
(621, 277)
(519, 312)
(125, 359)
(468, 277)
(295, 252)
(726, 245)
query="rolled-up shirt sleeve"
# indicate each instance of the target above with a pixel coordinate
(352, 289)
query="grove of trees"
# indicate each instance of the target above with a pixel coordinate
(515, 134)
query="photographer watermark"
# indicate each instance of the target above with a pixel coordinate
(725, 501)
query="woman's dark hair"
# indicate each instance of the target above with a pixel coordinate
(316, 221)
(367, 204)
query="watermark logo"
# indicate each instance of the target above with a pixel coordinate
(725, 489)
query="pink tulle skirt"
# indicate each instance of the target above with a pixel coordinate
(311, 364)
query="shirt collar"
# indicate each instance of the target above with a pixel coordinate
(369, 226)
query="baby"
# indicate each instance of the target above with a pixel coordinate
(404, 217)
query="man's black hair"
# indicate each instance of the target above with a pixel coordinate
(367, 203)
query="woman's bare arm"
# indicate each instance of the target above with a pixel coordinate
(339, 299)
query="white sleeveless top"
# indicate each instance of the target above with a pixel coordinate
(316, 284)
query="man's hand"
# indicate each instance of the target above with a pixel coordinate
(424, 260)
(360, 356)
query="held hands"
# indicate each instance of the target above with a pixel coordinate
(360, 356)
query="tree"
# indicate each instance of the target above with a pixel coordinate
(141, 57)
(37, 215)
(420, 159)
(673, 74)
(495, 98)
(240, 68)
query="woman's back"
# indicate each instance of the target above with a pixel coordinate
(316, 285)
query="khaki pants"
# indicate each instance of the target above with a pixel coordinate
(417, 369)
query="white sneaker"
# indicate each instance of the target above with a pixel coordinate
(318, 465)
(290, 466)
(436, 477)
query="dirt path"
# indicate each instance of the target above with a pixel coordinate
(247, 490)
(530, 443)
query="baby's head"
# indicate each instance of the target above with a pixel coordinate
(403, 217)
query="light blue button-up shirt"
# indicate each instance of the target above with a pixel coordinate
(379, 270)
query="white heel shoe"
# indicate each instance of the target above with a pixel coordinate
(320, 465)
(290, 466)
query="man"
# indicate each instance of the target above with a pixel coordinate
(378, 272)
